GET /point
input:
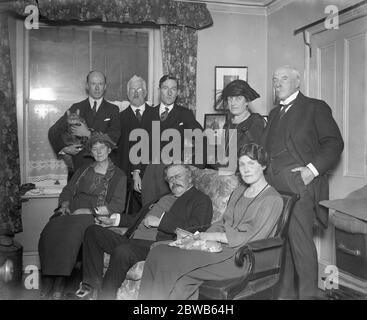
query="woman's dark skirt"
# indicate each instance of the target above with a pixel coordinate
(60, 242)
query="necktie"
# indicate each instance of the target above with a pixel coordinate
(282, 112)
(284, 109)
(94, 109)
(138, 114)
(164, 114)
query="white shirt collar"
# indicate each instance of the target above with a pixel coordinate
(141, 108)
(91, 102)
(162, 108)
(290, 98)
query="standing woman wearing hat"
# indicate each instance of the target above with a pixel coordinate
(249, 126)
(98, 188)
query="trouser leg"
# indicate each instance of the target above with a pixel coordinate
(303, 249)
(123, 257)
(97, 241)
(301, 264)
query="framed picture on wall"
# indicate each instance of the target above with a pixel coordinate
(214, 121)
(225, 75)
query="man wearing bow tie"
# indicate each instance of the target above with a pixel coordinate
(98, 114)
(304, 142)
(139, 115)
(171, 116)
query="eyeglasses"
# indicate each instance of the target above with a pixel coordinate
(174, 178)
(138, 90)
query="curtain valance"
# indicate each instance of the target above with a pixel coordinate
(159, 12)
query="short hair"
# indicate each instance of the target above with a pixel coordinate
(292, 69)
(136, 78)
(185, 166)
(167, 77)
(90, 72)
(255, 152)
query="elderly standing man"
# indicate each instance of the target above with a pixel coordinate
(139, 115)
(304, 142)
(185, 207)
(99, 115)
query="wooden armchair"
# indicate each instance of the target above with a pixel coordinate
(264, 260)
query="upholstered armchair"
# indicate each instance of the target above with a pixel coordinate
(264, 260)
(218, 187)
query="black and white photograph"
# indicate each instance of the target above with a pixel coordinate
(225, 75)
(110, 189)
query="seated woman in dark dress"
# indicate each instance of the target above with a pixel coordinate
(252, 214)
(98, 188)
(247, 125)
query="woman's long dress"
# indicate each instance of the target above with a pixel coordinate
(61, 239)
(173, 273)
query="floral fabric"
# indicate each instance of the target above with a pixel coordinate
(218, 187)
(158, 12)
(179, 55)
(10, 208)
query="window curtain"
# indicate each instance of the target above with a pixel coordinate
(179, 54)
(148, 12)
(10, 209)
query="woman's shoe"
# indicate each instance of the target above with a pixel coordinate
(47, 283)
(59, 286)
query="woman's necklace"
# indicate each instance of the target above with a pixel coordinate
(252, 200)
(251, 194)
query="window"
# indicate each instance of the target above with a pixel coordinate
(56, 62)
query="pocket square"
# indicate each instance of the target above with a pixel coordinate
(180, 124)
(107, 119)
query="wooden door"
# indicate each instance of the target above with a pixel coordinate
(337, 75)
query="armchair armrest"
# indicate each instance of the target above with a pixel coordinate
(252, 247)
(265, 244)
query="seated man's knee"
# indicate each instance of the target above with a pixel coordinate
(91, 231)
(121, 251)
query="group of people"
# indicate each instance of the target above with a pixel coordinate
(292, 152)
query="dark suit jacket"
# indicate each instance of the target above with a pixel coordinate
(312, 136)
(191, 211)
(128, 123)
(179, 118)
(106, 121)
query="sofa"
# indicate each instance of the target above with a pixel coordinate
(218, 186)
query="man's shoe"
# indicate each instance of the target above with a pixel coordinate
(86, 292)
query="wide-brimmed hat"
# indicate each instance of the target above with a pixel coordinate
(238, 88)
(100, 137)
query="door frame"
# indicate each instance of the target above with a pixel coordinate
(321, 235)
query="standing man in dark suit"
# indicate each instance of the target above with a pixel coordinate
(304, 142)
(139, 115)
(98, 114)
(171, 116)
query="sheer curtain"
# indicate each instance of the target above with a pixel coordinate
(59, 60)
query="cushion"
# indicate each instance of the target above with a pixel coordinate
(217, 186)
(213, 183)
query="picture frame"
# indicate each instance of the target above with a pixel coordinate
(214, 121)
(225, 75)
